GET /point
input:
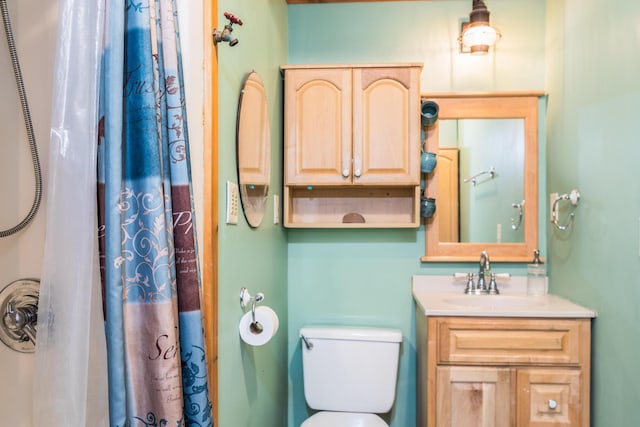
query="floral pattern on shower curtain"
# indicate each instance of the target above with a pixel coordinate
(149, 262)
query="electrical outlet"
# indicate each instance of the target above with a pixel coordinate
(232, 202)
(276, 209)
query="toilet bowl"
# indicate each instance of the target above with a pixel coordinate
(350, 374)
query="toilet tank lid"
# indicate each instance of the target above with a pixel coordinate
(352, 333)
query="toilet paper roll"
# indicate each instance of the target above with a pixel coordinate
(269, 321)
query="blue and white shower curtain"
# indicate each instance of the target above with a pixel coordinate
(148, 253)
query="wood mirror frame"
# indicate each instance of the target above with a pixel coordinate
(486, 106)
(253, 149)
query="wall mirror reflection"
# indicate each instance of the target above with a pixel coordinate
(486, 179)
(488, 185)
(253, 148)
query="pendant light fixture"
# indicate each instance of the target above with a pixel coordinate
(477, 35)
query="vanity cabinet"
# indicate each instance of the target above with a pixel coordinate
(503, 371)
(352, 145)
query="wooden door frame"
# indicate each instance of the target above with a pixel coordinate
(210, 249)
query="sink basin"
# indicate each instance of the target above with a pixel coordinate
(495, 301)
(440, 296)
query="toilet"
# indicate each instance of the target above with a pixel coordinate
(350, 374)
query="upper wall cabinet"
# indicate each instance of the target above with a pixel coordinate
(352, 126)
(349, 126)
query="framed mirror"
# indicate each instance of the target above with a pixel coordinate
(253, 149)
(486, 179)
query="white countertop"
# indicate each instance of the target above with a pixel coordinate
(444, 296)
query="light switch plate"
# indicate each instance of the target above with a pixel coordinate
(276, 209)
(232, 202)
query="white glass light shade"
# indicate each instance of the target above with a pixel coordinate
(479, 36)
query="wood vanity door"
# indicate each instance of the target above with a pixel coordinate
(473, 397)
(548, 397)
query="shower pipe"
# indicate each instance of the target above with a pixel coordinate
(27, 121)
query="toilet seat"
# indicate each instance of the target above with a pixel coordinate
(344, 419)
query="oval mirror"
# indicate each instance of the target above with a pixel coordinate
(486, 180)
(253, 148)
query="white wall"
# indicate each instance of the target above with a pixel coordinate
(33, 23)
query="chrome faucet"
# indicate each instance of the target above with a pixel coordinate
(482, 287)
(485, 268)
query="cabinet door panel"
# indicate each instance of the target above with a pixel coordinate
(318, 120)
(448, 166)
(548, 397)
(386, 126)
(473, 397)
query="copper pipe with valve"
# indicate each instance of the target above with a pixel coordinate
(225, 34)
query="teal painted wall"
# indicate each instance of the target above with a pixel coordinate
(252, 386)
(363, 276)
(594, 99)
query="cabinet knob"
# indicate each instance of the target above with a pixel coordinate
(553, 404)
(345, 173)
(357, 173)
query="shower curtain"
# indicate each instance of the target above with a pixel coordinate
(70, 371)
(136, 122)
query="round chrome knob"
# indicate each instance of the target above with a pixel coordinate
(357, 173)
(19, 314)
(345, 173)
(553, 404)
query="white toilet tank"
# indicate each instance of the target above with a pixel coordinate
(350, 369)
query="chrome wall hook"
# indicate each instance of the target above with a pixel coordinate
(515, 225)
(573, 197)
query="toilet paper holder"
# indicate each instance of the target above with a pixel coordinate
(246, 298)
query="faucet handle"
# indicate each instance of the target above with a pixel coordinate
(471, 287)
(234, 19)
(493, 286)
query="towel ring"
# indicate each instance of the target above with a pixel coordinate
(574, 199)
